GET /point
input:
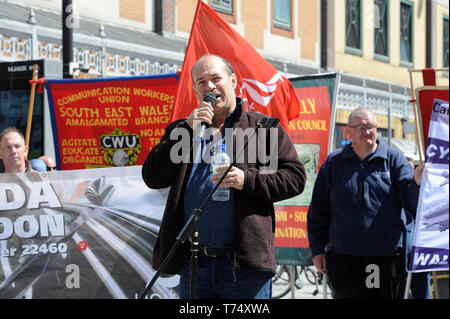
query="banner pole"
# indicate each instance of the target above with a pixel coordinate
(435, 285)
(333, 112)
(408, 285)
(419, 137)
(31, 105)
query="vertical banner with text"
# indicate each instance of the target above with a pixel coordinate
(310, 135)
(431, 242)
(110, 121)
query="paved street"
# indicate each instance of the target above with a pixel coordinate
(307, 290)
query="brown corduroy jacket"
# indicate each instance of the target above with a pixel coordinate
(254, 210)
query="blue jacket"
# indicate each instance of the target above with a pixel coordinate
(356, 205)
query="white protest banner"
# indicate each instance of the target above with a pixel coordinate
(80, 234)
(431, 234)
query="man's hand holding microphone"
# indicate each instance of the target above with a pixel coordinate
(203, 113)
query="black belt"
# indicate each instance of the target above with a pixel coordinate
(213, 252)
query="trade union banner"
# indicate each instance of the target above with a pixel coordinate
(310, 134)
(80, 234)
(430, 241)
(109, 122)
(425, 100)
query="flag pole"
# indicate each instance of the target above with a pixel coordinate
(438, 70)
(420, 146)
(408, 285)
(435, 285)
(33, 82)
(184, 67)
(419, 137)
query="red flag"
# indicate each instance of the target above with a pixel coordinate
(259, 84)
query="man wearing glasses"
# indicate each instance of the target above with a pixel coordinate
(354, 219)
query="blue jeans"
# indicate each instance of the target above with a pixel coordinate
(217, 279)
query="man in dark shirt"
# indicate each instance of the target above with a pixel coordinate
(236, 248)
(354, 219)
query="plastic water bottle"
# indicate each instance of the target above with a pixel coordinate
(219, 159)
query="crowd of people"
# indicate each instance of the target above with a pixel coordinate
(354, 219)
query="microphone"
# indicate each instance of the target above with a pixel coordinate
(209, 98)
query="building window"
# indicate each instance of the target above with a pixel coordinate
(445, 43)
(381, 36)
(353, 26)
(282, 14)
(406, 32)
(224, 6)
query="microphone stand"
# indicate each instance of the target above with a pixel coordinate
(190, 231)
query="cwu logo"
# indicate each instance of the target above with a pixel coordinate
(120, 148)
(253, 91)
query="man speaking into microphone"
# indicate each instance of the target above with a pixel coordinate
(236, 247)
